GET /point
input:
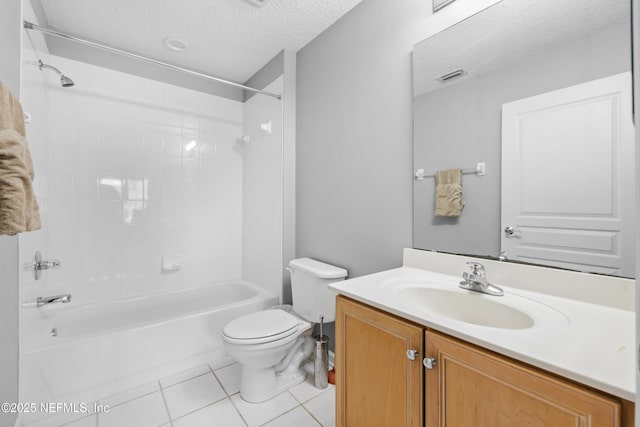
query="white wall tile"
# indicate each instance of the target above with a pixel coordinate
(173, 142)
(124, 190)
(60, 185)
(263, 192)
(153, 141)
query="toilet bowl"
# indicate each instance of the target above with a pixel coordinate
(271, 345)
(259, 342)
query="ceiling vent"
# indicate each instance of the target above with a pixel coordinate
(439, 4)
(257, 3)
(452, 75)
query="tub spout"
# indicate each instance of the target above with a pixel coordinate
(65, 299)
(40, 301)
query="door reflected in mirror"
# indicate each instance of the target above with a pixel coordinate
(533, 88)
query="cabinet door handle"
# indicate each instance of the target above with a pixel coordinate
(429, 362)
(412, 354)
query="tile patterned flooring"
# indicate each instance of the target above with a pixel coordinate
(204, 397)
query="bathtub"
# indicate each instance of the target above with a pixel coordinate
(91, 351)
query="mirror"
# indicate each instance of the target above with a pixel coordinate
(515, 51)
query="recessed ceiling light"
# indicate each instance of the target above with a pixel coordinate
(175, 44)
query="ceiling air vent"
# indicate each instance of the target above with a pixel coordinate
(452, 75)
(259, 3)
(439, 4)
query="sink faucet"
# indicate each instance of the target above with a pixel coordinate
(476, 280)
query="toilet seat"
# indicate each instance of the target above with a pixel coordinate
(261, 327)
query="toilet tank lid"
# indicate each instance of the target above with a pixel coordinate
(317, 268)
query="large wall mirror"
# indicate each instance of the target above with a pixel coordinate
(540, 92)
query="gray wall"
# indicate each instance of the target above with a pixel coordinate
(10, 31)
(265, 75)
(461, 125)
(10, 26)
(353, 141)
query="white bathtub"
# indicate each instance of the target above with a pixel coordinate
(103, 348)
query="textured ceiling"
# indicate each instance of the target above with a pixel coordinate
(509, 31)
(231, 39)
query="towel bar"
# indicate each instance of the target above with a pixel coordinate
(479, 170)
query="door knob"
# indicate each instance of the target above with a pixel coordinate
(510, 231)
(412, 354)
(429, 362)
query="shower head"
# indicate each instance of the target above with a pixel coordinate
(64, 80)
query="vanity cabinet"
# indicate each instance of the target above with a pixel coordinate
(470, 386)
(378, 383)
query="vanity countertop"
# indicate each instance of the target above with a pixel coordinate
(589, 343)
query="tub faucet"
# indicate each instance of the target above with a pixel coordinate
(65, 299)
(476, 280)
(40, 301)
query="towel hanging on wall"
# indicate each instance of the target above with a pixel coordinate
(19, 210)
(449, 201)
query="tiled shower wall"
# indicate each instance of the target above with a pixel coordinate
(34, 96)
(262, 244)
(138, 170)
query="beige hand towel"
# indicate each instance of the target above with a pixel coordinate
(18, 206)
(449, 193)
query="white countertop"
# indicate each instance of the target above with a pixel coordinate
(586, 342)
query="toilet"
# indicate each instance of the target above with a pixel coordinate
(272, 344)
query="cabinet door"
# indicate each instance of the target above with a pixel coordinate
(474, 387)
(376, 383)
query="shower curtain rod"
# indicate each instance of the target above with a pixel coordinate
(63, 35)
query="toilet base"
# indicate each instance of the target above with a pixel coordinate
(260, 385)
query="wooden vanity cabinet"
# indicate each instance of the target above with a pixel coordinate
(470, 386)
(377, 384)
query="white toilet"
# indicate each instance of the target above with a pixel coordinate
(272, 344)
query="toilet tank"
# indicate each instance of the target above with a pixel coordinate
(309, 288)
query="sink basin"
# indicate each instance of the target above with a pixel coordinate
(467, 307)
(441, 297)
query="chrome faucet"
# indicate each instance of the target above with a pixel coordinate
(65, 299)
(40, 301)
(476, 280)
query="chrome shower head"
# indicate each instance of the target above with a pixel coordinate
(64, 80)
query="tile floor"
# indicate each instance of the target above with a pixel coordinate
(209, 398)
